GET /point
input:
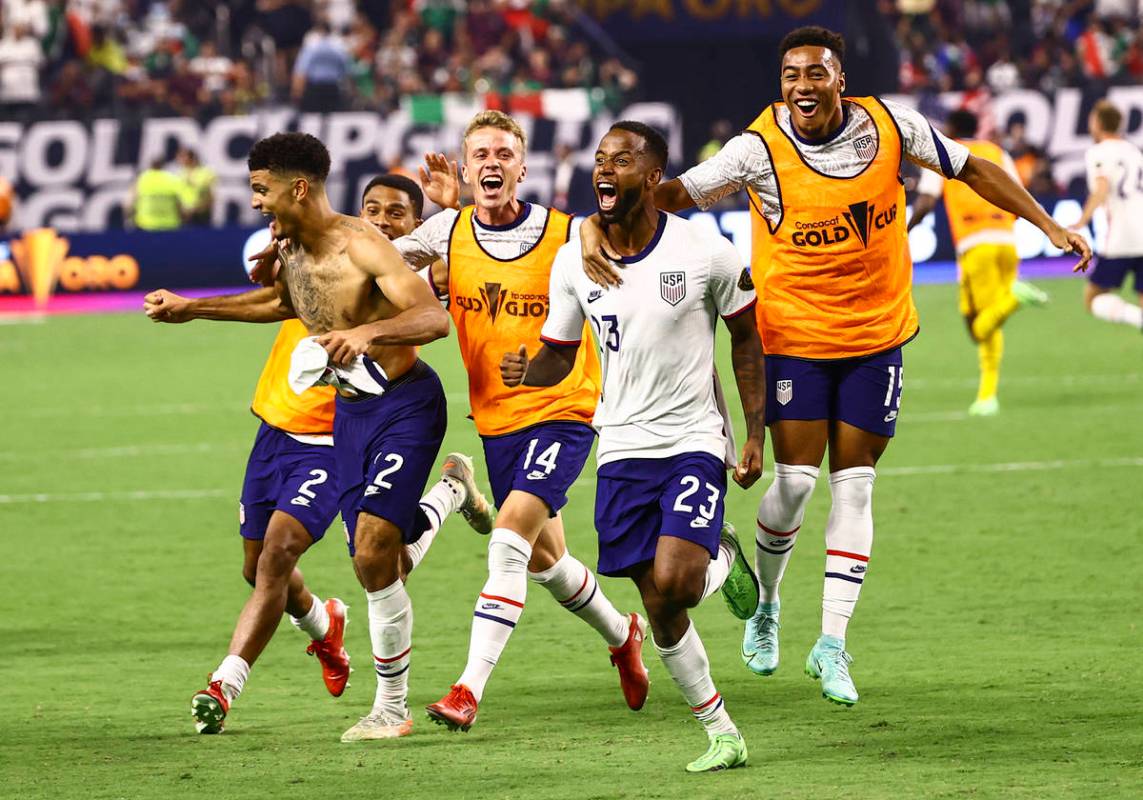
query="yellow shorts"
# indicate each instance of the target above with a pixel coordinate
(985, 274)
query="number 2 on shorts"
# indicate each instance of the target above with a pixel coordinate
(305, 494)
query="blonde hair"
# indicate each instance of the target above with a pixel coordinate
(1108, 115)
(501, 122)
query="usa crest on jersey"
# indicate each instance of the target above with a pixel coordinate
(785, 392)
(673, 286)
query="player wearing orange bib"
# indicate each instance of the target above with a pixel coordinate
(835, 306)
(498, 253)
(289, 496)
(985, 242)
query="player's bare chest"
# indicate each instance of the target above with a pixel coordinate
(322, 288)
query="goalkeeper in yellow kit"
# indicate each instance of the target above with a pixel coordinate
(986, 257)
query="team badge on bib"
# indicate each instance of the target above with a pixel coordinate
(785, 392)
(673, 286)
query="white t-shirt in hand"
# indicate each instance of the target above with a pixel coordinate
(655, 335)
(1121, 163)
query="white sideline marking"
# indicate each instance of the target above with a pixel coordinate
(1055, 380)
(1013, 466)
(23, 319)
(162, 409)
(587, 480)
(89, 497)
(126, 451)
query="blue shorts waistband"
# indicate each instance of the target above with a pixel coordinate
(367, 403)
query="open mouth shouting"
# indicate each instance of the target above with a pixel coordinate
(492, 183)
(606, 194)
(807, 106)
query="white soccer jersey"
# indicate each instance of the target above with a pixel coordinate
(744, 161)
(1121, 163)
(430, 241)
(655, 335)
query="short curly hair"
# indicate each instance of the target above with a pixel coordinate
(402, 184)
(298, 153)
(813, 36)
(653, 142)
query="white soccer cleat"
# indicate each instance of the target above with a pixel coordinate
(378, 725)
(475, 508)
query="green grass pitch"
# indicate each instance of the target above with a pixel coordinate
(997, 643)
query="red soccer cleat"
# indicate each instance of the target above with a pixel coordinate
(330, 651)
(209, 708)
(628, 659)
(457, 709)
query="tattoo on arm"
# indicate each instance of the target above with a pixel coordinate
(749, 371)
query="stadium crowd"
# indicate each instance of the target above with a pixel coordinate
(994, 45)
(138, 58)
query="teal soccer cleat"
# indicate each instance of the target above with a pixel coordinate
(829, 662)
(760, 642)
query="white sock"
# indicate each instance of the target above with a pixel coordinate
(391, 633)
(233, 672)
(688, 665)
(315, 622)
(498, 608)
(779, 518)
(1110, 307)
(576, 589)
(443, 499)
(717, 570)
(849, 540)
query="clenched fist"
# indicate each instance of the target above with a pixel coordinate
(514, 366)
(164, 306)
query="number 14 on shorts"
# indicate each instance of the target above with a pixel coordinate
(544, 464)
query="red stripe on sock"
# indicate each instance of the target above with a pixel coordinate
(711, 701)
(778, 533)
(380, 660)
(579, 591)
(501, 599)
(844, 554)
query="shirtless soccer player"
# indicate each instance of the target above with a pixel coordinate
(985, 240)
(835, 307)
(499, 254)
(344, 281)
(662, 439)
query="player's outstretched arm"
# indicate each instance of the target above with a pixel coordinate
(750, 375)
(420, 318)
(991, 182)
(673, 196)
(922, 207)
(550, 366)
(1094, 200)
(260, 305)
